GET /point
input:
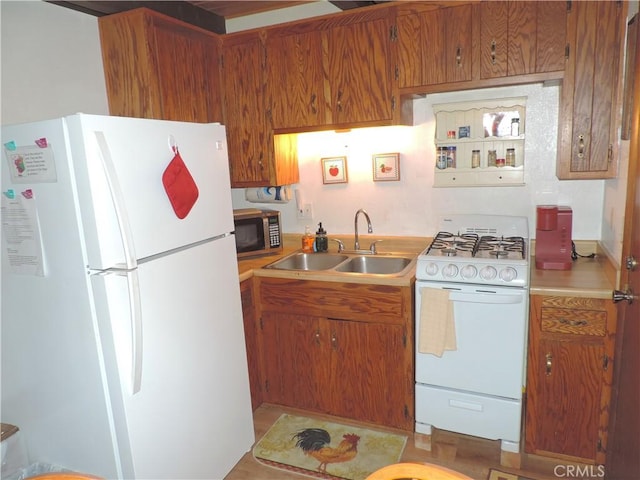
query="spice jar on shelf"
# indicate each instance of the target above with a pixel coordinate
(451, 157)
(475, 158)
(510, 159)
(491, 158)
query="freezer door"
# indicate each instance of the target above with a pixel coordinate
(126, 211)
(191, 417)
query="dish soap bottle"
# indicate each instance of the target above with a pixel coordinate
(307, 240)
(322, 242)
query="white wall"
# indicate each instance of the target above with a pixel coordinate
(51, 62)
(412, 205)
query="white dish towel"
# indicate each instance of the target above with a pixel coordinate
(437, 331)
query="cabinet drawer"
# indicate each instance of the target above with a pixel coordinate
(577, 322)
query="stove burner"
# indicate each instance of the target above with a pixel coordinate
(500, 247)
(450, 244)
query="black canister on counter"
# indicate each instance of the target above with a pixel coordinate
(321, 243)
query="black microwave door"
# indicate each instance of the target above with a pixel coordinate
(249, 235)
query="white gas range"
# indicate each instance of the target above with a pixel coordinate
(475, 388)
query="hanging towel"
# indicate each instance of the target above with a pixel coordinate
(437, 331)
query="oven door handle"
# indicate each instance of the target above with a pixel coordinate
(486, 297)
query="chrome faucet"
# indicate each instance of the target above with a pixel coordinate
(356, 245)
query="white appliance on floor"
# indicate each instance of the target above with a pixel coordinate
(123, 348)
(476, 388)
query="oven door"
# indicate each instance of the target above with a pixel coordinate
(490, 327)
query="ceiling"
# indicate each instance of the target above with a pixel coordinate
(207, 14)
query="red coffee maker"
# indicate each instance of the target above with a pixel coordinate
(553, 237)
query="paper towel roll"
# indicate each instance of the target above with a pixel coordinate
(280, 194)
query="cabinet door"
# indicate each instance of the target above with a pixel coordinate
(360, 72)
(295, 361)
(189, 84)
(520, 38)
(148, 74)
(295, 80)
(588, 117)
(251, 341)
(245, 111)
(366, 383)
(569, 387)
(434, 46)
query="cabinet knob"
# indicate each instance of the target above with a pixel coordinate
(548, 363)
(631, 263)
(580, 146)
(459, 56)
(493, 52)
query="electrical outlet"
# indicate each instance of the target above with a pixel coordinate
(306, 213)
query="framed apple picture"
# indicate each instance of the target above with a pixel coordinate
(334, 170)
(386, 167)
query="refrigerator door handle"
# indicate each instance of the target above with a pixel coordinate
(135, 309)
(118, 200)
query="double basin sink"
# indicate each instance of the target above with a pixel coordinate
(363, 264)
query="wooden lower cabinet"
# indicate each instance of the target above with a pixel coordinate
(251, 341)
(570, 367)
(341, 349)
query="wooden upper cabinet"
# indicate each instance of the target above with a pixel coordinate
(243, 59)
(332, 72)
(359, 62)
(296, 79)
(589, 116)
(256, 156)
(521, 38)
(148, 74)
(434, 45)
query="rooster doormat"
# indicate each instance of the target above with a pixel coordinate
(328, 450)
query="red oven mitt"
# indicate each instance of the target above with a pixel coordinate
(180, 186)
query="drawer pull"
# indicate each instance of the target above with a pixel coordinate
(573, 323)
(548, 363)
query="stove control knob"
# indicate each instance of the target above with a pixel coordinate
(432, 269)
(468, 272)
(488, 273)
(450, 271)
(508, 274)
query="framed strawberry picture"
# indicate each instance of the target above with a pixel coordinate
(334, 170)
(386, 167)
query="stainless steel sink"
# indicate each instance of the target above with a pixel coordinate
(308, 261)
(371, 264)
(383, 264)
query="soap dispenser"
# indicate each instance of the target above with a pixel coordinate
(322, 242)
(308, 243)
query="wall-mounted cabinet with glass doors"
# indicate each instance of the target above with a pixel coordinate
(480, 143)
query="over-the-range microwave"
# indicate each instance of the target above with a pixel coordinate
(258, 232)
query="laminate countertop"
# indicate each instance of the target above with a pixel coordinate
(588, 277)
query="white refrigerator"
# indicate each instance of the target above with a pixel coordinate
(123, 349)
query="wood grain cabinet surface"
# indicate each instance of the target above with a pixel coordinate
(334, 72)
(149, 74)
(569, 374)
(434, 44)
(343, 349)
(520, 38)
(256, 156)
(589, 116)
(478, 44)
(247, 297)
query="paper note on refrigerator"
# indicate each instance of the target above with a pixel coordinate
(21, 245)
(31, 164)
